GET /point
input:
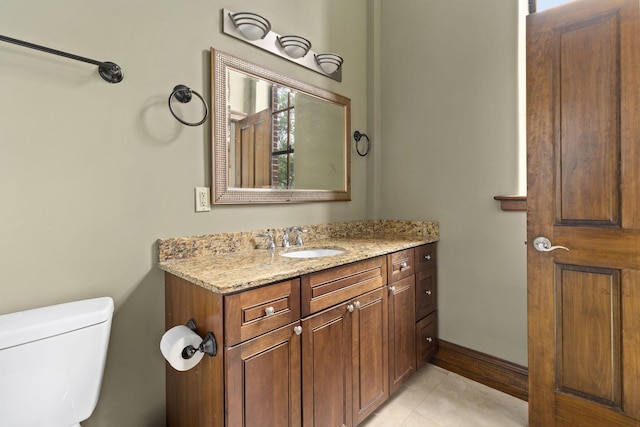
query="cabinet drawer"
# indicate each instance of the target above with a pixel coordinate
(425, 256)
(330, 287)
(426, 339)
(254, 312)
(426, 292)
(400, 265)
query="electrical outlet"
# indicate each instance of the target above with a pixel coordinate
(202, 199)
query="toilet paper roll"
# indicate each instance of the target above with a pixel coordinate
(174, 341)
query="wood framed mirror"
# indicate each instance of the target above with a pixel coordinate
(276, 139)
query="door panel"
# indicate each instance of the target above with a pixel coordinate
(588, 333)
(583, 134)
(587, 167)
(253, 151)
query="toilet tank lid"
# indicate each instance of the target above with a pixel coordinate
(44, 322)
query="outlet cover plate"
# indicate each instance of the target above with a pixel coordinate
(202, 197)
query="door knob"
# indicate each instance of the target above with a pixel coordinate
(543, 244)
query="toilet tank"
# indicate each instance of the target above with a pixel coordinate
(51, 362)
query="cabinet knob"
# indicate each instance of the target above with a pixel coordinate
(429, 339)
(356, 304)
(350, 308)
(297, 330)
(392, 289)
(428, 292)
(269, 311)
(404, 266)
(427, 257)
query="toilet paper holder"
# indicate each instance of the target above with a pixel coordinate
(208, 346)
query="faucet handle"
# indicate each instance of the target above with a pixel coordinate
(299, 231)
(271, 245)
(285, 237)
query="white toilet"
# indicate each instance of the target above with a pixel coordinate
(51, 363)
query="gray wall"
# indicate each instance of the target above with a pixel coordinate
(449, 143)
(91, 173)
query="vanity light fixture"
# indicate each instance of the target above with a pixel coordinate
(329, 62)
(251, 25)
(256, 30)
(294, 46)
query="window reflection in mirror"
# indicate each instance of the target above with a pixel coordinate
(266, 119)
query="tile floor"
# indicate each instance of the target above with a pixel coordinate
(435, 397)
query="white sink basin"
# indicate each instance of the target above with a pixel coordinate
(311, 253)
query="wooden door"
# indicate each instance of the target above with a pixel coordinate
(370, 368)
(263, 380)
(326, 368)
(583, 126)
(402, 332)
(253, 151)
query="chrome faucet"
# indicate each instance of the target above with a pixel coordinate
(271, 245)
(285, 237)
(299, 231)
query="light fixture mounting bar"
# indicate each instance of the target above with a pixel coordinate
(270, 44)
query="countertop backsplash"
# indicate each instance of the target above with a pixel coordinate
(177, 248)
(230, 262)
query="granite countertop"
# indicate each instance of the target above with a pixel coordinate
(208, 261)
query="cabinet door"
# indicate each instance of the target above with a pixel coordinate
(263, 380)
(402, 332)
(326, 368)
(426, 339)
(370, 353)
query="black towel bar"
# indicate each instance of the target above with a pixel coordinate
(109, 71)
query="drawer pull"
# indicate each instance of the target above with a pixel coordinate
(269, 311)
(429, 339)
(404, 266)
(297, 330)
(428, 292)
(427, 257)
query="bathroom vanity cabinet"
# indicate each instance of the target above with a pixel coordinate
(322, 349)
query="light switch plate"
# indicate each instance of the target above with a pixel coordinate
(202, 199)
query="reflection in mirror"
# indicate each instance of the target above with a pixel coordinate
(276, 140)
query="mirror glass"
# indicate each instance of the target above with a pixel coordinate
(276, 140)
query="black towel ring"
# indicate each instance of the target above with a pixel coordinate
(357, 136)
(183, 94)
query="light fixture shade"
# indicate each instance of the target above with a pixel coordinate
(251, 25)
(295, 46)
(329, 62)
